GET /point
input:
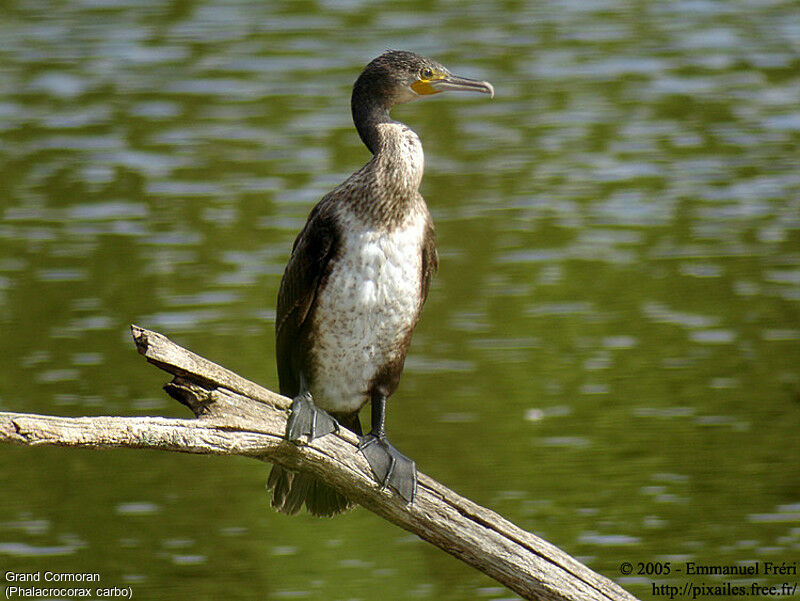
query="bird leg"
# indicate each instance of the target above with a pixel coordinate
(306, 419)
(391, 468)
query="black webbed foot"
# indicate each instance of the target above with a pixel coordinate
(390, 466)
(308, 420)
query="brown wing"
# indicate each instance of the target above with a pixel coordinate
(430, 259)
(311, 255)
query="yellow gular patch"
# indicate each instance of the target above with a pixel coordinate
(423, 87)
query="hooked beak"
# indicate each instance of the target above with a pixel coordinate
(452, 83)
(462, 84)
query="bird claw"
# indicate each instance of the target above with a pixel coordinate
(392, 469)
(306, 419)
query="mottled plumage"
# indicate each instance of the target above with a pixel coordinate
(357, 278)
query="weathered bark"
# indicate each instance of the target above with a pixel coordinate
(237, 417)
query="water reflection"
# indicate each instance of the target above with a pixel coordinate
(617, 298)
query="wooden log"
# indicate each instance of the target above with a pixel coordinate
(237, 417)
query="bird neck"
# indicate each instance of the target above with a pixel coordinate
(398, 160)
(368, 113)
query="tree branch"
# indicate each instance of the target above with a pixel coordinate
(237, 417)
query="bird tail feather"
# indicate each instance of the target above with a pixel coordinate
(290, 490)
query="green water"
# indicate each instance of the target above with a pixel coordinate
(609, 355)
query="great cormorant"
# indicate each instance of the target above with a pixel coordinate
(354, 286)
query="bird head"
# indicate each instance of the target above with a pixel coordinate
(399, 76)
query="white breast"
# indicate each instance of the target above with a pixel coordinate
(368, 307)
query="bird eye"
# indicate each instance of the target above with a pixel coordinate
(426, 73)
